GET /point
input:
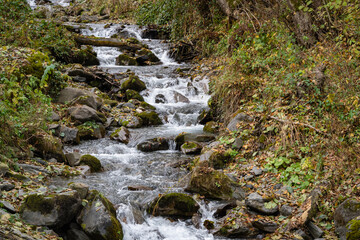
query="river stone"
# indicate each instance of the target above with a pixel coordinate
(133, 83)
(257, 203)
(149, 118)
(344, 213)
(74, 232)
(269, 227)
(178, 97)
(7, 206)
(126, 60)
(81, 188)
(92, 162)
(211, 127)
(91, 132)
(98, 218)
(73, 159)
(132, 94)
(130, 121)
(146, 56)
(89, 101)
(47, 146)
(4, 168)
(84, 113)
(213, 184)
(205, 117)
(241, 117)
(215, 159)
(160, 98)
(121, 134)
(69, 94)
(191, 148)
(204, 138)
(175, 205)
(52, 210)
(154, 144)
(6, 186)
(84, 170)
(68, 135)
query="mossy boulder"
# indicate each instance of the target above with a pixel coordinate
(191, 148)
(47, 146)
(130, 121)
(98, 218)
(121, 134)
(213, 184)
(132, 94)
(126, 60)
(353, 229)
(175, 205)
(149, 118)
(133, 83)
(52, 210)
(154, 144)
(211, 127)
(92, 162)
(146, 57)
(91, 131)
(83, 113)
(346, 212)
(147, 106)
(215, 159)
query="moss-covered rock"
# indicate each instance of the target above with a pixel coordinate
(132, 94)
(53, 210)
(215, 159)
(146, 57)
(191, 148)
(130, 121)
(149, 118)
(124, 59)
(176, 205)
(47, 146)
(353, 228)
(154, 144)
(213, 184)
(133, 83)
(92, 162)
(91, 131)
(98, 218)
(211, 127)
(121, 134)
(147, 106)
(346, 212)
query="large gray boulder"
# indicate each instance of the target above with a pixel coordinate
(84, 113)
(122, 134)
(70, 94)
(214, 184)
(241, 117)
(257, 203)
(52, 210)
(68, 135)
(176, 205)
(346, 212)
(154, 144)
(98, 218)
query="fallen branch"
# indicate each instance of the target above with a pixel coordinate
(108, 42)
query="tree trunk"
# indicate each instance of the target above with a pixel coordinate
(108, 42)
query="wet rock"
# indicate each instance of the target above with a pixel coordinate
(121, 134)
(7, 206)
(98, 218)
(160, 98)
(132, 94)
(178, 97)
(133, 83)
(33, 169)
(139, 188)
(138, 215)
(130, 121)
(6, 186)
(257, 203)
(68, 135)
(155, 32)
(91, 131)
(269, 227)
(81, 188)
(84, 170)
(17, 176)
(315, 231)
(196, 220)
(47, 146)
(209, 225)
(211, 127)
(154, 144)
(149, 118)
(84, 113)
(224, 208)
(146, 57)
(53, 210)
(126, 60)
(175, 205)
(92, 162)
(4, 168)
(205, 117)
(73, 159)
(213, 184)
(344, 213)
(191, 148)
(241, 117)
(215, 159)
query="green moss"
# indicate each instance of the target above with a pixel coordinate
(133, 83)
(189, 145)
(353, 229)
(38, 203)
(147, 106)
(35, 64)
(211, 127)
(132, 94)
(149, 118)
(110, 102)
(92, 162)
(126, 60)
